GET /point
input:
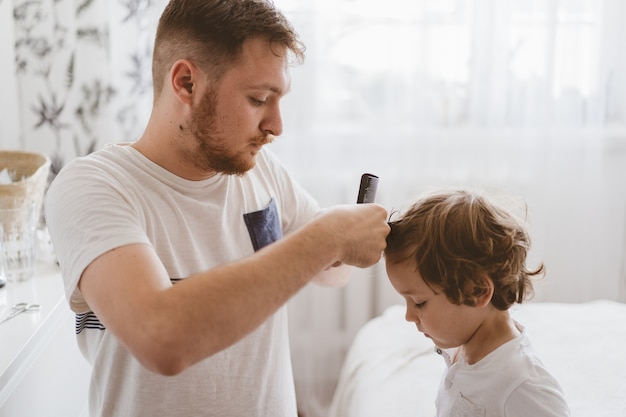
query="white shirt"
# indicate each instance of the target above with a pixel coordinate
(511, 381)
(117, 197)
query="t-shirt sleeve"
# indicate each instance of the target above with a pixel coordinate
(87, 215)
(537, 398)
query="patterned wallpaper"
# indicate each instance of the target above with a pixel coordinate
(81, 73)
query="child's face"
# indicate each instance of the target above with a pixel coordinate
(447, 324)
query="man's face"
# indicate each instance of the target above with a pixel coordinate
(241, 113)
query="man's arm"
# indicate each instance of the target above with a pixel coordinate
(336, 276)
(170, 327)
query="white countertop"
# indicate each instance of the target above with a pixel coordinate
(23, 335)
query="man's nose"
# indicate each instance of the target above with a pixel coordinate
(272, 122)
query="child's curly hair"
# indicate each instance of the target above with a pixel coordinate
(456, 237)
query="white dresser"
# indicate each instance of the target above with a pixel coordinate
(42, 373)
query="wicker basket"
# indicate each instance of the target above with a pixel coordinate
(29, 171)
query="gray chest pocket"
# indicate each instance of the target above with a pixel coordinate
(263, 226)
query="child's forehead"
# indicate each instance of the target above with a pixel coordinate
(405, 274)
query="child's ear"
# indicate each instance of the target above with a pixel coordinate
(482, 290)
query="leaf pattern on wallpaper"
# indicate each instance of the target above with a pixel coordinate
(73, 95)
(83, 6)
(69, 73)
(95, 98)
(93, 34)
(49, 113)
(46, 60)
(140, 66)
(135, 9)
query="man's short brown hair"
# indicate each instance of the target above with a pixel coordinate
(211, 33)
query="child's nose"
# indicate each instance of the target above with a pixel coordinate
(411, 316)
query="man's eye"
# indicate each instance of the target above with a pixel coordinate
(257, 102)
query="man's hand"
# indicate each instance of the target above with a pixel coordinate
(358, 232)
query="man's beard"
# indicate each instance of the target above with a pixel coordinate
(212, 153)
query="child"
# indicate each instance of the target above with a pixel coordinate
(459, 262)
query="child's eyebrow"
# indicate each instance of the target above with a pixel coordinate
(416, 293)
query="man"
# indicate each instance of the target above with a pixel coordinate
(180, 250)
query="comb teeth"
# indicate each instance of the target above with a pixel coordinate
(367, 189)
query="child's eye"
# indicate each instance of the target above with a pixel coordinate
(420, 304)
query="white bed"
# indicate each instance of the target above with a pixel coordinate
(392, 370)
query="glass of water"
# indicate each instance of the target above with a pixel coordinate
(18, 224)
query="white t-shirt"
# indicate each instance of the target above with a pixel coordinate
(117, 197)
(511, 381)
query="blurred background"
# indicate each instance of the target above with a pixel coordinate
(524, 99)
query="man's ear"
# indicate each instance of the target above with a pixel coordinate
(184, 78)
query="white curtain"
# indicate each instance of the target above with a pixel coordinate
(522, 98)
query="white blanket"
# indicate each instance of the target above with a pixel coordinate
(392, 370)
